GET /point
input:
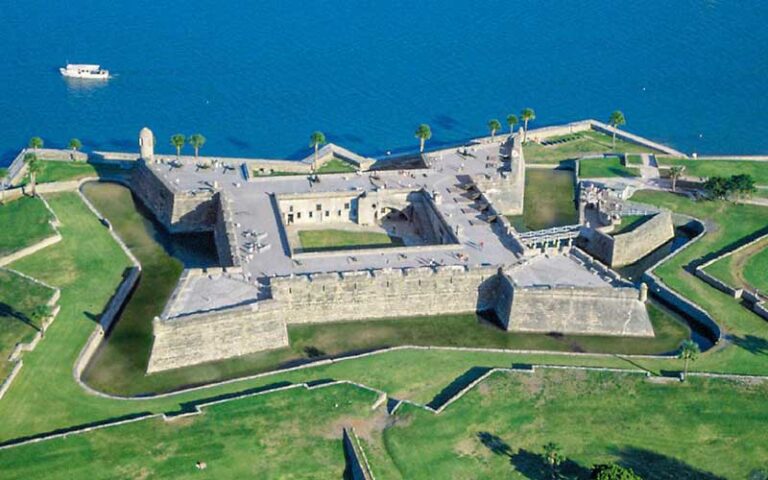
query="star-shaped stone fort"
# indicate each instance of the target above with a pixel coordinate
(450, 248)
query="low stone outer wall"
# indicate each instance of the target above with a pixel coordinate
(756, 302)
(657, 287)
(359, 468)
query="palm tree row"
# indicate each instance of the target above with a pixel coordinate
(36, 143)
(196, 141)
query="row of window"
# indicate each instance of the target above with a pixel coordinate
(319, 208)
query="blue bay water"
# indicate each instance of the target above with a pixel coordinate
(257, 77)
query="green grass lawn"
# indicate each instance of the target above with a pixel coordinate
(23, 222)
(605, 167)
(745, 268)
(756, 270)
(18, 298)
(584, 143)
(702, 429)
(291, 434)
(629, 223)
(634, 160)
(548, 202)
(52, 171)
(722, 168)
(336, 165)
(332, 239)
(3, 172)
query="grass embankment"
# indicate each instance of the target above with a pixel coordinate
(293, 434)
(3, 172)
(576, 145)
(605, 167)
(332, 239)
(728, 223)
(722, 168)
(629, 223)
(703, 429)
(548, 202)
(744, 269)
(23, 222)
(18, 298)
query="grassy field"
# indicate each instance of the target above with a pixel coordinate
(24, 222)
(629, 223)
(583, 143)
(634, 160)
(722, 168)
(3, 172)
(548, 202)
(51, 171)
(18, 298)
(292, 434)
(703, 429)
(744, 269)
(605, 167)
(756, 270)
(332, 239)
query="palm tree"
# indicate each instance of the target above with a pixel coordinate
(423, 133)
(36, 143)
(39, 315)
(315, 140)
(511, 121)
(178, 141)
(689, 351)
(33, 168)
(553, 458)
(197, 140)
(616, 119)
(527, 115)
(675, 173)
(75, 144)
(494, 126)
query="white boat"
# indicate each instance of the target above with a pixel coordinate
(91, 72)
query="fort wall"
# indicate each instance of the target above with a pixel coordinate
(361, 295)
(179, 212)
(627, 248)
(199, 338)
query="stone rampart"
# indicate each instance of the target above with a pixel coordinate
(178, 211)
(207, 337)
(627, 248)
(576, 310)
(320, 298)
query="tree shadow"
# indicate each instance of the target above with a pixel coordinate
(494, 443)
(8, 311)
(535, 466)
(751, 343)
(655, 466)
